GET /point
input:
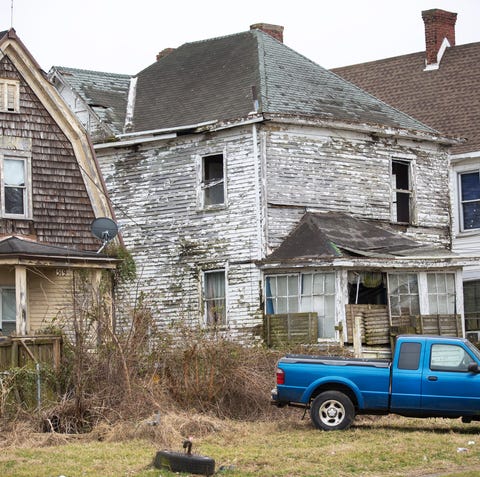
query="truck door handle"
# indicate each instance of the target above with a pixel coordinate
(432, 378)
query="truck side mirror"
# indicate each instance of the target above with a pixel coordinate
(473, 368)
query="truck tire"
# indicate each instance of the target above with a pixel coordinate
(181, 462)
(332, 411)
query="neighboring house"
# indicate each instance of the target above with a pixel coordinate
(257, 190)
(440, 86)
(50, 192)
(98, 99)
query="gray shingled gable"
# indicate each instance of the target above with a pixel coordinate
(213, 80)
(105, 93)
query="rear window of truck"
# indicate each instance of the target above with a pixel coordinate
(409, 356)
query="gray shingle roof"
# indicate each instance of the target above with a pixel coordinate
(105, 93)
(213, 80)
(332, 234)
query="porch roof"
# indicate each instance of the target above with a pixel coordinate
(333, 235)
(20, 248)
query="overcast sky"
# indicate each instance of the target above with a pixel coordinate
(123, 36)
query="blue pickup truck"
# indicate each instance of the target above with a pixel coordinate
(429, 376)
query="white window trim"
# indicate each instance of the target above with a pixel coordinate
(467, 169)
(200, 182)
(28, 205)
(16, 84)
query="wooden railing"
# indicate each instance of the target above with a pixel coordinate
(18, 351)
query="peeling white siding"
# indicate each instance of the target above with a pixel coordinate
(154, 190)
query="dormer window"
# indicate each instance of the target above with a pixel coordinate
(9, 96)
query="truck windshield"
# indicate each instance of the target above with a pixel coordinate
(474, 350)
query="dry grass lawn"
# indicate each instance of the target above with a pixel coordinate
(285, 447)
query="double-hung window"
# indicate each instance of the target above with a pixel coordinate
(401, 183)
(7, 310)
(469, 188)
(213, 180)
(9, 95)
(15, 193)
(214, 300)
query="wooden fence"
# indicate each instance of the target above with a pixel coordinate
(291, 328)
(18, 351)
(376, 329)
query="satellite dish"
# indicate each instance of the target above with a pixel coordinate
(104, 229)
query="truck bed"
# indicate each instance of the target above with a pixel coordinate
(335, 361)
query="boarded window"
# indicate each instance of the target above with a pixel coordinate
(214, 297)
(7, 309)
(469, 184)
(401, 191)
(441, 293)
(14, 188)
(9, 95)
(213, 180)
(403, 294)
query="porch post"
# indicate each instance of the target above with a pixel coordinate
(23, 325)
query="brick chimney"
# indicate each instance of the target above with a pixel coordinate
(439, 25)
(164, 53)
(275, 31)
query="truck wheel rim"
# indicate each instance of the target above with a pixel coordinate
(332, 412)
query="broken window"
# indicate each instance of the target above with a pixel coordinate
(441, 293)
(7, 310)
(214, 299)
(14, 187)
(213, 180)
(303, 293)
(403, 294)
(469, 184)
(9, 95)
(401, 191)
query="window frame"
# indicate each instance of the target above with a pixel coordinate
(203, 185)
(461, 202)
(450, 295)
(206, 300)
(2, 320)
(302, 294)
(27, 187)
(396, 191)
(390, 276)
(5, 83)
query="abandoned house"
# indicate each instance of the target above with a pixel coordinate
(51, 190)
(265, 196)
(439, 86)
